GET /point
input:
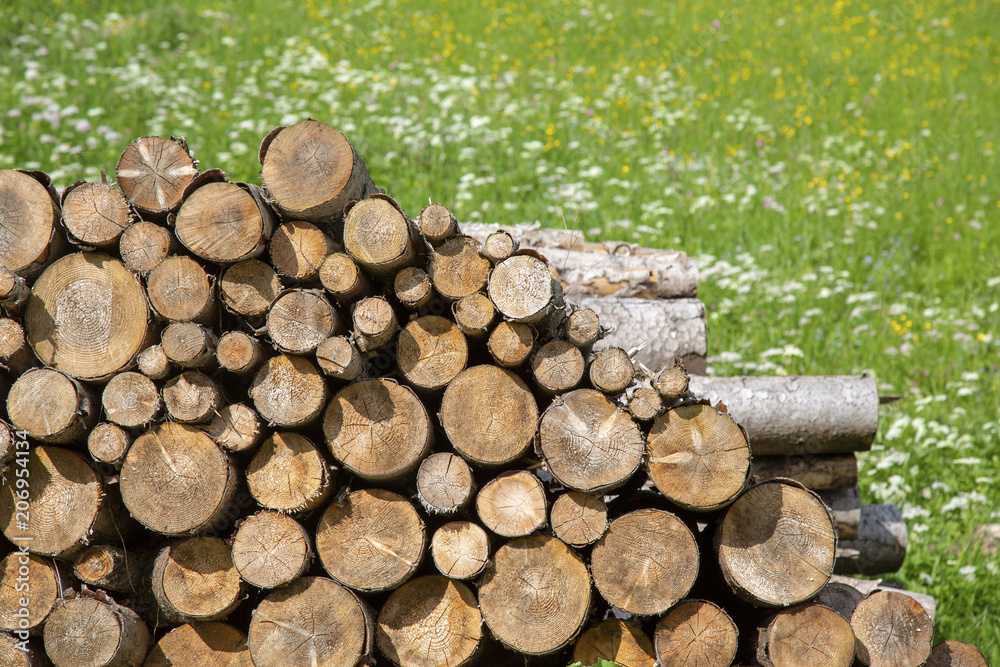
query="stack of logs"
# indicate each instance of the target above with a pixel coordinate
(390, 443)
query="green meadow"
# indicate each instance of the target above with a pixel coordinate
(832, 166)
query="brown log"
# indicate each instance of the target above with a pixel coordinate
(460, 549)
(845, 505)
(97, 633)
(298, 249)
(288, 474)
(776, 527)
(412, 287)
(489, 415)
(498, 246)
(510, 344)
(208, 644)
(9, 443)
(672, 382)
(14, 291)
(512, 504)
(799, 414)
(645, 404)
(474, 314)
(64, 499)
(378, 236)
(271, 549)
(867, 586)
(696, 633)
(953, 653)
(698, 457)
(130, 400)
(189, 345)
(154, 364)
(342, 278)
(430, 621)
(431, 352)
(557, 367)
(87, 316)
(611, 370)
(437, 224)
(30, 213)
(15, 353)
(191, 398)
(180, 291)
(378, 429)
(456, 268)
(16, 652)
(444, 483)
(583, 328)
(153, 174)
(51, 406)
(669, 328)
(536, 594)
(834, 471)
(809, 634)
(196, 580)
(144, 244)
(338, 357)
(299, 320)
(175, 480)
(579, 519)
(311, 172)
(249, 288)
(371, 540)
(108, 443)
(31, 579)
(239, 352)
(880, 545)
(521, 288)
(109, 568)
(288, 391)
(224, 222)
(235, 428)
(646, 562)
(588, 443)
(892, 630)
(374, 323)
(615, 641)
(311, 622)
(95, 214)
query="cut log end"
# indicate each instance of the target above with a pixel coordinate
(521, 288)
(30, 215)
(249, 288)
(131, 400)
(271, 549)
(222, 222)
(696, 633)
(377, 235)
(300, 320)
(144, 245)
(51, 406)
(108, 443)
(444, 483)
(456, 268)
(95, 214)
(512, 504)
(498, 246)
(460, 549)
(583, 327)
(213, 644)
(953, 653)
(645, 404)
(288, 474)
(43, 592)
(288, 391)
(298, 250)
(154, 363)
(437, 224)
(413, 287)
(189, 345)
(374, 323)
(431, 352)
(109, 568)
(179, 290)
(891, 629)
(235, 428)
(239, 352)
(579, 519)
(615, 641)
(191, 398)
(338, 357)
(153, 174)
(342, 278)
(115, 635)
(558, 367)
(474, 314)
(672, 382)
(510, 344)
(611, 371)
(196, 580)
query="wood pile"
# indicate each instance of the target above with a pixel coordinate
(290, 425)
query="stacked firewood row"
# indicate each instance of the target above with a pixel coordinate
(290, 425)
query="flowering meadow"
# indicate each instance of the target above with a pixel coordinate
(832, 166)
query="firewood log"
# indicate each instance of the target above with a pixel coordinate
(189, 345)
(131, 400)
(588, 443)
(235, 427)
(616, 641)
(196, 580)
(375, 323)
(16, 652)
(583, 327)
(31, 211)
(489, 415)
(474, 314)
(239, 352)
(14, 291)
(498, 246)
(175, 480)
(311, 171)
(342, 278)
(696, 633)
(224, 222)
(288, 474)
(108, 443)
(95, 214)
(371, 540)
(512, 504)
(299, 320)
(840, 597)
(645, 404)
(521, 288)
(456, 268)
(557, 367)
(153, 174)
(191, 397)
(833, 471)
(378, 236)
(444, 483)
(145, 244)
(109, 567)
(288, 391)
(579, 519)
(412, 287)
(338, 357)
(31, 579)
(672, 382)
(510, 344)
(298, 249)
(776, 544)
(209, 644)
(154, 364)
(435, 608)
(611, 370)
(87, 316)
(880, 545)
(646, 562)
(892, 630)
(271, 549)
(431, 351)
(179, 291)
(437, 224)
(249, 288)
(51, 406)
(809, 634)
(536, 594)
(98, 632)
(953, 653)
(460, 549)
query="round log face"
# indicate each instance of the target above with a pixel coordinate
(43, 402)
(460, 549)
(696, 633)
(288, 391)
(953, 653)
(430, 621)
(444, 482)
(312, 622)
(376, 234)
(153, 173)
(558, 366)
(300, 320)
(616, 641)
(578, 518)
(457, 269)
(512, 504)
(183, 470)
(87, 316)
(510, 343)
(220, 222)
(66, 643)
(698, 457)
(202, 644)
(489, 415)
(436, 222)
(298, 249)
(536, 595)
(144, 245)
(43, 591)
(371, 540)
(96, 213)
(431, 352)
(29, 213)
(810, 635)
(250, 287)
(777, 527)
(270, 549)
(588, 443)
(288, 474)
(646, 562)
(307, 165)
(377, 429)
(891, 629)
(62, 505)
(521, 288)
(12, 655)
(179, 289)
(200, 580)
(131, 399)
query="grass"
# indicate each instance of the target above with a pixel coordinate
(831, 165)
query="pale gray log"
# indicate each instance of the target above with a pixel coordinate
(880, 546)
